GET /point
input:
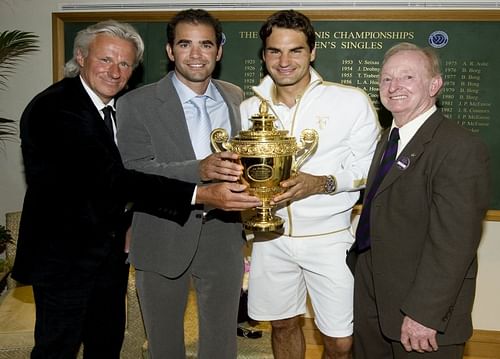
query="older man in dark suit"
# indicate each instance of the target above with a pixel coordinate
(71, 240)
(420, 227)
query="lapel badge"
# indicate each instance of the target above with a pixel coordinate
(403, 163)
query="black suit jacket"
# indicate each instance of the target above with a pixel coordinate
(77, 190)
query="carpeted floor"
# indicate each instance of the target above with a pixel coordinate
(247, 348)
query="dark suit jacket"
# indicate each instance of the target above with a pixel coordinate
(426, 222)
(153, 137)
(73, 213)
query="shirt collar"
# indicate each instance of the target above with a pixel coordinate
(186, 94)
(409, 130)
(314, 80)
(95, 99)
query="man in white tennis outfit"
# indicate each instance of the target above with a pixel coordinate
(309, 257)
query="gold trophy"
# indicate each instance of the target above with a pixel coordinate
(268, 156)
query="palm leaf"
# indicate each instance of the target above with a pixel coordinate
(14, 46)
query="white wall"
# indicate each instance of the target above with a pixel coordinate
(486, 314)
(35, 74)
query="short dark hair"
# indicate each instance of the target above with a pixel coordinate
(194, 16)
(289, 19)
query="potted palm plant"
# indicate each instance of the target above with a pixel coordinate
(5, 238)
(14, 46)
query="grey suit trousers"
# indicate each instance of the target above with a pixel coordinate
(217, 271)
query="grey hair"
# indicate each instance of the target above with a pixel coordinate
(433, 63)
(112, 28)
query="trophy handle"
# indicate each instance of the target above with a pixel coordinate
(308, 143)
(219, 138)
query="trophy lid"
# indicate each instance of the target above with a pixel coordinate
(263, 125)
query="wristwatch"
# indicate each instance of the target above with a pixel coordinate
(330, 184)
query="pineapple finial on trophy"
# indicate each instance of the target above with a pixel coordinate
(263, 108)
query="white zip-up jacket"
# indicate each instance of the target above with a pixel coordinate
(348, 129)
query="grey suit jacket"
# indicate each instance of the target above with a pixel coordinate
(426, 221)
(153, 137)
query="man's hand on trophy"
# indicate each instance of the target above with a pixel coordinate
(299, 186)
(222, 166)
(228, 196)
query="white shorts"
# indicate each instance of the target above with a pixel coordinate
(283, 270)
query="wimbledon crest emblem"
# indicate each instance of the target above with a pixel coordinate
(438, 39)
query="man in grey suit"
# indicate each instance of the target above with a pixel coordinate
(419, 231)
(161, 131)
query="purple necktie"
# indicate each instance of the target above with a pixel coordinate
(363, 230)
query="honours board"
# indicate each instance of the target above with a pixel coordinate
(350, 46)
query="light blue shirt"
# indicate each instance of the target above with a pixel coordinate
(216, 106)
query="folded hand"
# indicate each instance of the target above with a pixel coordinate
(415, 336)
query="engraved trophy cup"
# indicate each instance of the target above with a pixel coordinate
(268, 156)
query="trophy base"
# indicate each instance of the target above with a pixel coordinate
(257, 224)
